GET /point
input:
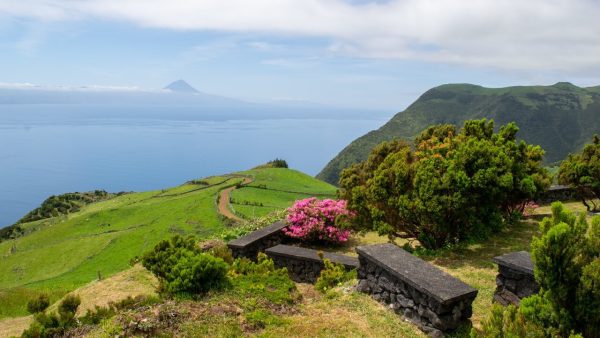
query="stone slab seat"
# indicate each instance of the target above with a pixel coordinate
(305, 254)
(418, 273)
(515, 279)
(519, 261)
(257, 241)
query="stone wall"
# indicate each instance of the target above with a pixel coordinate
(432, 299)
(515, 279)
(558, 193)
(304, 265)
(257, 241)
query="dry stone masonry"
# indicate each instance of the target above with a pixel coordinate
(257, 241)
(515, 279)
(305, 265)
(432, 299)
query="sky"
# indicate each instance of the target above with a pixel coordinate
(347, 53)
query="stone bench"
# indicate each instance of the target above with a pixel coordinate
(515, 279)
(257, 241)
(432, 299)
(304, 265)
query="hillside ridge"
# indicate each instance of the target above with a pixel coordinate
(560, 118)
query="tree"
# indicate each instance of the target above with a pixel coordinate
(452, 185)
(582, 171)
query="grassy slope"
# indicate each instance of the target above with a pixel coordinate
(283, 187)
(560, 118)
(66, 252)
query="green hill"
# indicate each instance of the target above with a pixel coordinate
(62, 253)
(561, 118)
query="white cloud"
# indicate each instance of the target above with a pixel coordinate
(559, 35)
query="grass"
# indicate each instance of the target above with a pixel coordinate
(259, 305)
(61, 254)
(274, 189)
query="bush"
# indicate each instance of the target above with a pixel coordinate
(315, 220)
(39, 304)
(333, 275)
(95, 316)
(182, 268)
(507, 322)
(196, 274)
(276, 163)
(51, 325)
(582, 171)
(455, 185)
(567, 267)
(167, 253)
(67, 309)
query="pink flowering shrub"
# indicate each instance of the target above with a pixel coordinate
(315, 220)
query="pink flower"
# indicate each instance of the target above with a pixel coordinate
(313, 219)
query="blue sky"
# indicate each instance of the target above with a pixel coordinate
(362, 54)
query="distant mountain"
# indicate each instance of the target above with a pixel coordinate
(561, 118)
(181, 86)
(175, 93)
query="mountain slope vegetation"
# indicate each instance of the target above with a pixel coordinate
(59, 254)
(561, 118)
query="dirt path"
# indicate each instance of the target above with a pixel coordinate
(223, 206)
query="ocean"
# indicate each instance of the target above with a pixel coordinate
(50, 149)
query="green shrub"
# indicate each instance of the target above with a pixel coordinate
(452, 185)
(244, 266)
(39, 304)
(276, 163)
(182, 268)
(567, 268)
(52, 325)
(98, 314)
(566, 258)
(221, 250)
(197, 273)
(333, 275)
(507, 323)
(167, 253)
(67, 309)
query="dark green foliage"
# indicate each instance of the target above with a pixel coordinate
(182, 268)
(65, 204)
(197, 273)
(67, 309)
(276, 163)
(333, 275)
(453, 186)
(52, 325)
(39, 304)
(582, 171)
(11, 232)
(95, 316)
(567, 268)
(507, 323)
(167, 253)
(560, 118)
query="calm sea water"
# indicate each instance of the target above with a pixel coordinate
(52, 149)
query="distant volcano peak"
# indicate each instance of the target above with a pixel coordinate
(181, 86)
